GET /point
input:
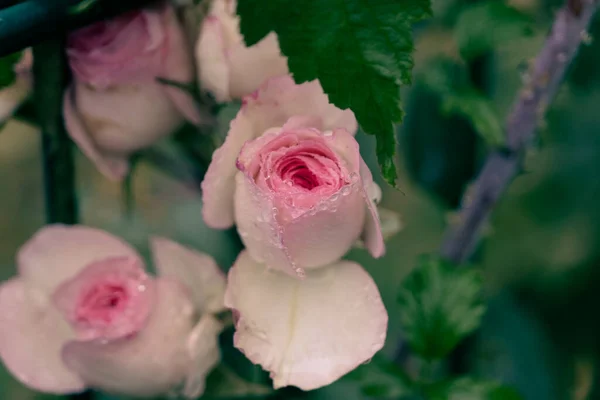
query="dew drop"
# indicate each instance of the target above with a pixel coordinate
(354, 177)
(328, 133)
(141, 288)
(300, 272)
(312, 211)
(346, 190)
(322, 206)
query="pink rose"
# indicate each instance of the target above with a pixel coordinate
(228, 68)
(307, 333)
(83, 313)
(115, 105)
(291, 177)
(12, 96)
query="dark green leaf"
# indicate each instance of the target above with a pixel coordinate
(460, 98)
(360, 50)
(470, 389)
(7, 71)
(382, 379)
(483, 26)
(440, 304)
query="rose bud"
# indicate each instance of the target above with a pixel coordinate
(291, 177)
(116, 105)
(83, 313)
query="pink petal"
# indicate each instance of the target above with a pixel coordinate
(32, 334)
(198, 271)
(213, 63)
(113, 167)
(372, 235)
(121, 282)
(179, 67)
(307, 333)
(110, 124)
(149, 364)
(271, 106)
(251, 66)
(58, 252)
(203, 346)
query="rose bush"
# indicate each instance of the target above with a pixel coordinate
(115, 105)
(83, 312)
(226, 67)
(291, 177)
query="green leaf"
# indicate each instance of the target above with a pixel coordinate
(7, 71)
(483, 26)
(470, 389)
(459, 97)
(382, 378)
(441, 304)
(360, 50)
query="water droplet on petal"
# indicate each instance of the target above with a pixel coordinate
(322, 206)
(328, 133)
(300, 272)
(346, 190)
(334, 197)
(354, 177)
(141, 288)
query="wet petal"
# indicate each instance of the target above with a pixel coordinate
(307, 333)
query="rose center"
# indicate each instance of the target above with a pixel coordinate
(101, 303)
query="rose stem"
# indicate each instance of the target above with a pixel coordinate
(502, 166)
(50, 78)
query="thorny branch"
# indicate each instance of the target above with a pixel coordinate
(568, 32)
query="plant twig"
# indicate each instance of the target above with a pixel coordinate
(568, 32)
(49, 70)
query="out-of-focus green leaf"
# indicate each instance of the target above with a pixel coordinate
(470, 389)
(222, 383)
(483, 26)
(459, 97)
(381, 378)
(440, 305)
(7, 71)
(360, 50)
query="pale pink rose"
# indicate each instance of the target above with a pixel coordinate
(12, 96)
(307, 333)
(228, 68)
(83, 313)
(115, 105)
(291, 177)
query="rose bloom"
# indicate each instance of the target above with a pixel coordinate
(12, 96)
(228, 68)
(83, 313)
(115, 105)
(291, 177)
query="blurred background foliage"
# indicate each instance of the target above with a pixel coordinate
(541, 254)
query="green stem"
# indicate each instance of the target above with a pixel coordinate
(50, 79)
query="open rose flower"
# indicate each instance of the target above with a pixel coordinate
(12, 96)
(307, 333)
(291, 177)
(115, 105)
(83, 313)
(228, 68)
